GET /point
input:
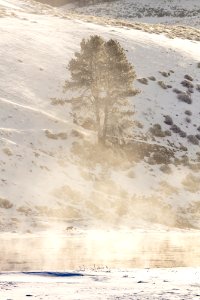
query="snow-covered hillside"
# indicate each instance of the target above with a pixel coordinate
(50, 167)
(151, 11)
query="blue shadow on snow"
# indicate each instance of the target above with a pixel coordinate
(53, 274)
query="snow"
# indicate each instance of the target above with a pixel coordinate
(180, 283)
(8, 4)
(181, 12)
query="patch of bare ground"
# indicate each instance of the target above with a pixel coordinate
(6, 13)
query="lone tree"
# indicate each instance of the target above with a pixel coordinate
(102, 84)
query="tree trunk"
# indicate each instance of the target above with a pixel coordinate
(98, 121)
(105, 124)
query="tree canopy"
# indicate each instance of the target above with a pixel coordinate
(102, 85)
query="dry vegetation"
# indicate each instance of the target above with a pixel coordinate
(143, 80)
(167, 189)
(7, 151)
(162, 85)
(156, 130)
(6, 13)
(191, 183)
(6, 204)
(56, 136)
(171, 31)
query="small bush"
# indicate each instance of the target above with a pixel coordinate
(24, 210)
(138, 124)
(184, 97)
(168, 133)
(187, 83)
(198, 65)
(198, 87)
(152, 78)
(175, 129)
(183, 148)
(165, 74)
(188, 120)
(190, 90)
(157, 131)
(56, 136)
(191, 183)
(162, 85)
(55, 101)
(166, 169)
(184, 160)
(160, 158)
(143, 80)
(195, 167)
(193, 139)
(4, 203)
(188, 112)
(188, 77)
(177, 91)
(182, 134)
(88, 124)
(198, 136)
(77, 134)
(168, 120)
(7, 151)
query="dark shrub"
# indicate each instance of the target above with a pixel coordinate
(184, 97)
(168, 133)
(177, 91)
(188, 112)
(188, 77)
(175, 129)
(138, 124)
(182, 134)
(143, 80)
(193, 139)
(157, 131)
(4, 203)
(168, 120)
(165, 74)
(162, 85)
(187, 83)
(190, 90)
(166, 169)
(183, 148)
(198, 136)
(188, 120)
(152, 78)
(161, 158)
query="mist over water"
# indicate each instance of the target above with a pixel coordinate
(100, 248)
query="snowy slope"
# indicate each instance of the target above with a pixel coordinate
(151, 11)
(45, 167)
